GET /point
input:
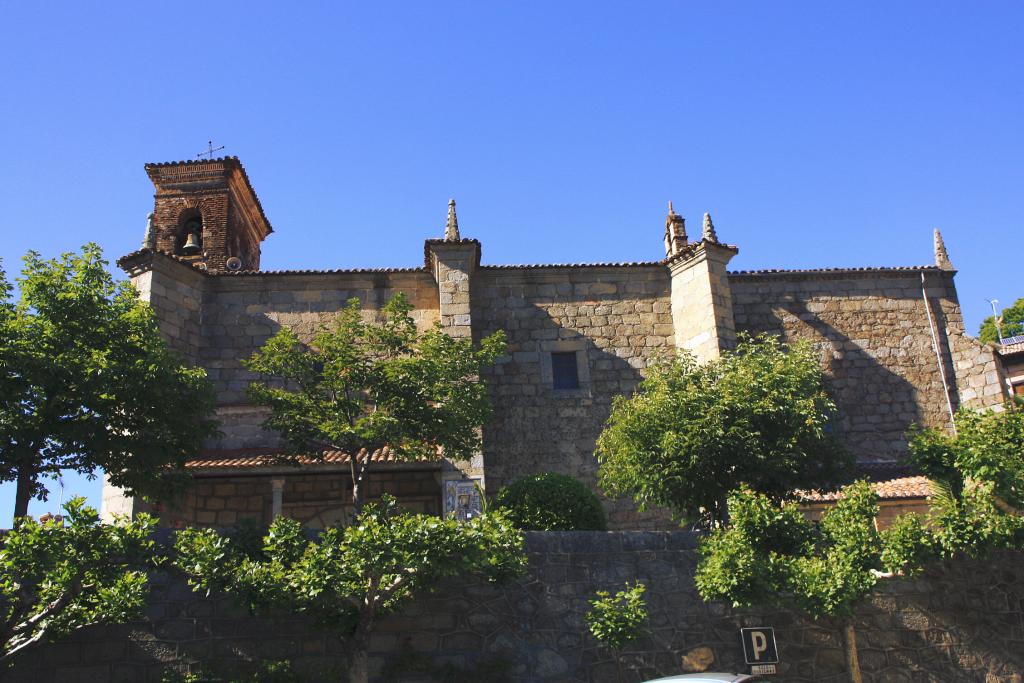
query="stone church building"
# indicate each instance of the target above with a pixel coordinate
(891, 340)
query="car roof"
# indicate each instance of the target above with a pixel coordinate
(706, 678)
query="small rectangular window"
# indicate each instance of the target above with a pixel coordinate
(563, 370)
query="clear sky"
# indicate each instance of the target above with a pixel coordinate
(816, 134)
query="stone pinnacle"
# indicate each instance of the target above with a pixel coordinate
(675, 233)
(709, 229)
(150, 240)
(941, 255)
(451, 230)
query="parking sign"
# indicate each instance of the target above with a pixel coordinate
(759, 645)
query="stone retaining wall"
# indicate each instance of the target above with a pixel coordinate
(961, 621)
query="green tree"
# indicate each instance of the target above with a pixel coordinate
(350, 576)
(87, 382)
(758, 417)
(361, 386)
(769, 554)
(58, 576)
(988, 447)
(615, 620)
(1012, 324)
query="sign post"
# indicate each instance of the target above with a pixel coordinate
(759, 649)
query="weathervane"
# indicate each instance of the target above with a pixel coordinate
(209, 151)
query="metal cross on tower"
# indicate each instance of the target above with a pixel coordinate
(210, 150)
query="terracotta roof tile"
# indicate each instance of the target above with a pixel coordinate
(625, 264)
(260, 458)
(901, 488)
(834, 271)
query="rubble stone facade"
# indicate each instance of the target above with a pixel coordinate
(891, 339)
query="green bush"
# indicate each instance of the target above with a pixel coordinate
(552, 502)
(614, 620)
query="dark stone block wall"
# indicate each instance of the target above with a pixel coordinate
(961, 621)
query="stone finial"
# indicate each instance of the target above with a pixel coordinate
(708, 233)
(150, 240)
(941, 255)
(675, 233)
(451, 229)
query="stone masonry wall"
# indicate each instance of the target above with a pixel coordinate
(176, 294)
(317, 500)
(960, 622)
(243, 311)
(615, 319)
(873, 333)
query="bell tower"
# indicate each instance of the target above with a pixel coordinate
(206, 212)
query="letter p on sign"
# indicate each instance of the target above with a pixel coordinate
(759, 645)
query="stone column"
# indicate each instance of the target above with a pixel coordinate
(453, 264)
(702, 300)
(175, 292)
(277, 502)
(453, 261)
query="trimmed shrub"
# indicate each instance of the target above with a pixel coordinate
(552, 502)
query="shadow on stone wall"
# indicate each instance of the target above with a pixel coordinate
(961, 621)
(875, 405)
(536, 428)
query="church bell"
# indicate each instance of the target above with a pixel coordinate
(192, 245)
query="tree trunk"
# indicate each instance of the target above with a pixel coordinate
(852, 661)
(358, 475)
(358, 657)
(358, 664)
(23, 494)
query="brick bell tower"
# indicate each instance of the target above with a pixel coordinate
(207, 213)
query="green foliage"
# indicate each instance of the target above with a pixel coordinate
(752, 557)
(759, 417)
(770, 554)
(1013, 324)
(615, 620)
(978, 480)
(266, 671)
(87, 382)
(552, 502)
(974, 525)
(365, 385)
(58, 576)
(349, 576)
(988, 447)
(841, 569)
(907, 545)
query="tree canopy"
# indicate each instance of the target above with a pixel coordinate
(60, 575)
(350, 576)
(87, 382)
(1012, 324)
(361, 385)
(757, 417)
(770, 554)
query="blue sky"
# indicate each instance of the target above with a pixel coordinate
(816, 134)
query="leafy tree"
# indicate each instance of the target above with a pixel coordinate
(1012, 324)
(87, 382)
(615, 620)
(351, 576)
(771, 555)
(988, 447)
(552, 502)
(58, 576)
(361, 386)
(758, 417)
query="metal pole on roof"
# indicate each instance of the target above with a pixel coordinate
(938, 355)
(997, 318)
